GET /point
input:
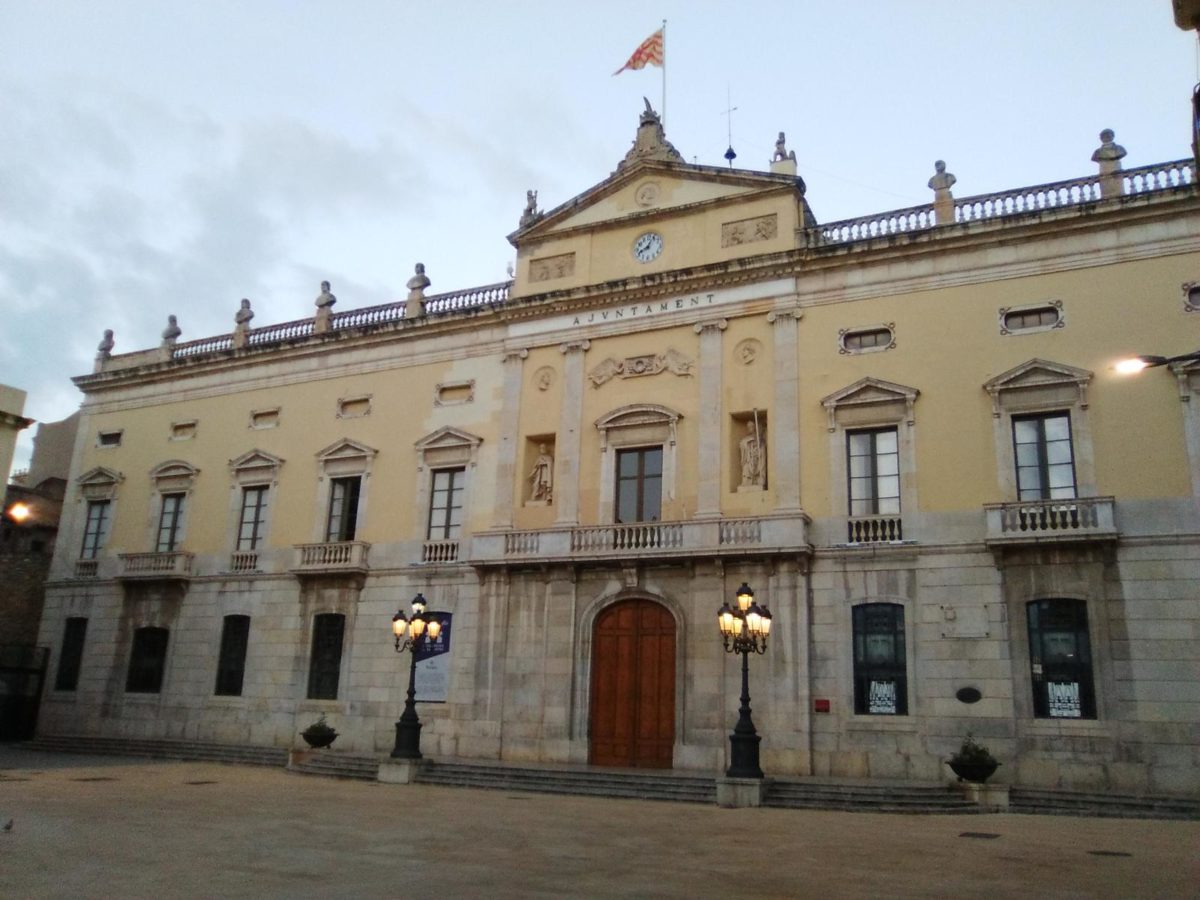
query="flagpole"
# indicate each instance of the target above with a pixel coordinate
(664, 74)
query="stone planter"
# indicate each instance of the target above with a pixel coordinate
(318, 739)
(974, 772)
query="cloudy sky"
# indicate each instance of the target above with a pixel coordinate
(167, 157)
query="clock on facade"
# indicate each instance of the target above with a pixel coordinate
(648, 247)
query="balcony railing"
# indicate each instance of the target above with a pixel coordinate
(331, 558)
(151, 566)
(439, 551)
(756, 536)
(874, 529)
(87, 568)
(243, 561)
(1048, 521)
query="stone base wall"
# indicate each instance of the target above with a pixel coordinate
(521, 661)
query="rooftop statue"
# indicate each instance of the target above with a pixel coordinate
(241, 324)
(651, 142)
(531, 213)
(941, 180)
(781, 150)
(1109, 150)
(172, 332)
(326, 299)
(106, 343)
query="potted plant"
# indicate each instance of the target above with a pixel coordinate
(319, 734)
(973, 762)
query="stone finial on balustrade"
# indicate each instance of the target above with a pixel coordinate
(241, 324)
(1108, 157)
(415, 304)
(943, 200)
(324, 301)
(783, 161)
(104, 349)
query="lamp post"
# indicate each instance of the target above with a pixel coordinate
(421, 629)
(744, 630)
(1138, 363)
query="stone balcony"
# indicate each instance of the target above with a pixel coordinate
(331, 558)
(173, 566)
(874, 529)
(677, 541)
(1051, 521)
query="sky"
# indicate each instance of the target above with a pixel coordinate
(172, 158)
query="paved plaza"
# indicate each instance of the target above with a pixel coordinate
(88, 826)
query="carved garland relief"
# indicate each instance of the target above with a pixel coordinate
(633, 366)
(549, 268)
(747, 231)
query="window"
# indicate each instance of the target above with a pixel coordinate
(880, 677)
(1045, 462)
(108, 439)
(147, 661)
(446, 504)
(252, 524)
(1060, 660)
(95, 532)
(1041, 317)
(169, 519)
(343, 509)
(873, 464)
(71, 656)
(639, 484)
(866, 340)
(231, 664)
(325, 665)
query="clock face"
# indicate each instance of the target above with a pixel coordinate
(648, 247)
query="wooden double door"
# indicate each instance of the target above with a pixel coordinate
(632, 721)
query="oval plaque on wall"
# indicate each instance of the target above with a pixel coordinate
(969, 695)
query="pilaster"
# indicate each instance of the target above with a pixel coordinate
(708, 503)
(784, 433)
(506, 462)
(566, 475)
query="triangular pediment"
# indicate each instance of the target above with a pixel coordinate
(99, 476)
(651, 189)
(346, 449)
(1037, 373)
(870, 390)
(448, 436)
(255, 459)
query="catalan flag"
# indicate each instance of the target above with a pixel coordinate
(648, 53)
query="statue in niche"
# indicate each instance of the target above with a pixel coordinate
(541, 477)
(753, 457)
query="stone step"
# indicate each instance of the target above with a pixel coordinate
(338, 765)
(1125, 806)
(567, 781)
(866, 798)
(191, 751)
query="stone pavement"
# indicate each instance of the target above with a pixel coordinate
(87, 826)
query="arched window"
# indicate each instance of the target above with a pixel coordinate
(1060, 660)
(880, 674)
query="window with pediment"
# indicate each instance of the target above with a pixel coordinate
(98, 491)
(637, 462)
(172, 486)
(254, 479)
(446, 461)
(872, 456)
(345, 471)
(1041, 431)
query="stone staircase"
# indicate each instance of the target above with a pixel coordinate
(1104, 805)
(161, 748)
(628, 783)
(333, 764)
(851, 797)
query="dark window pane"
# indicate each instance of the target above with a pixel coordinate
(326, 661)
(446, 504)
(1044, 457)
(254, 511)
(95, 532)
(147, 661)
(169, 520)
(343, 509)
(71, 656)
(880, 676)
(231, 664)
(1060, 660)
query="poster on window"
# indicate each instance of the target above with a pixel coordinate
(1064, 700)
(432, 684)
(882, 698)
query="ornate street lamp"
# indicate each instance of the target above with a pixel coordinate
(412, 634)
(744, 630)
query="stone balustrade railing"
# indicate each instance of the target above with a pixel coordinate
(1037, 521)
(768, 534)
(439, 552)
(331, 556)
(243, 561)
(175, 564)
(874, 529)
(87, 568)
(1168, 176)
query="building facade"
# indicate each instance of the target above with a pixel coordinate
(904, 432)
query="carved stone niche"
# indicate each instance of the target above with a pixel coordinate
(748, 451)
(538, 469)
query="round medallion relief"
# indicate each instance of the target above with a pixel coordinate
(647, 194)
(747, 351)
(543, 378)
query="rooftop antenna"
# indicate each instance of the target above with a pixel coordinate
(730, 109)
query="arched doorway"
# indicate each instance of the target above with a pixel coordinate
(632, 720)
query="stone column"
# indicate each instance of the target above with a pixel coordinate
(506, 461)
(566, 466)
(708, 504)
(784, 424)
